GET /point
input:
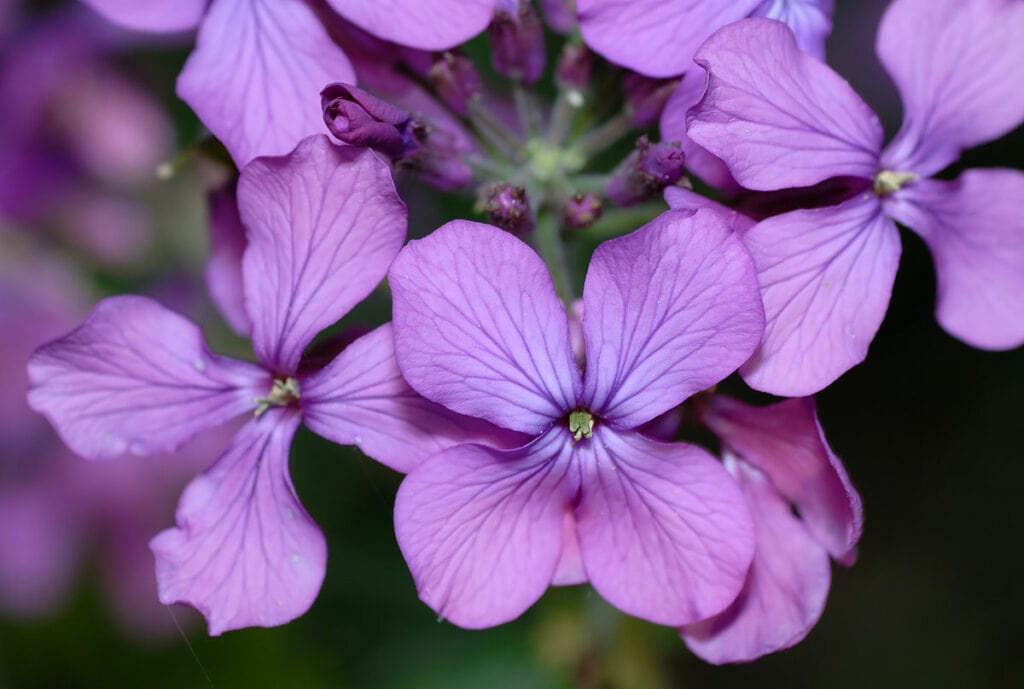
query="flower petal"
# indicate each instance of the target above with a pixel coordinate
(962, 95)
(669, 310)
(360, 398)
(777, 117)
(481, 529)
(786, 587)
(785, 441)
(255, 76)
(681, 198)
(826, 276)
(654, 37)
(478, 327)
(324, 223)
(975, 230)
(224, 267)
(152, 15)
(137, 378)
(245, 553)
(810, 20)
(436, 25)
(665, 532)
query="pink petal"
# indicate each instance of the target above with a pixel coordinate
(786, 588)
(245, 553)
(777, 117)
(975, 230)
(137, 378)
(655, 37)
(360, 398)
(669, 310)
(961, 95)
(785, 441)
(324, 223)
(152, 15)
(481, 529)
(478, 327)
(826, 276)
(570, 570)
(224, 267)
(665, 532)
(436, 25)
(255, 76)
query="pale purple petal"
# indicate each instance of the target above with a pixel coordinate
(255, 76)
(361, 399)
(478, 327)
(152, 15)
(655, 37)
(245, 553)
(669, 310)
(224, 267)
(826, 276)
(681, 198)
(777, 117)
(786, 587)
(665, 532)
(436, 25)
(323, 225)
(810, 20)
(785, 441)
(957, 65)
(974, 227)
(570, 570)
(481, 529)
(137, 378)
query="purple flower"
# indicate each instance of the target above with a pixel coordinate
(779, 119)
(659, 529)
(323, 225)
(259, 65)
(780, 458)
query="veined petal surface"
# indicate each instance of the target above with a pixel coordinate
(435, 25)
(810, 20)
(224, 267)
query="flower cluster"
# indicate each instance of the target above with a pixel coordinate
(538, 410)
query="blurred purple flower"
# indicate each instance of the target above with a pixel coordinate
(659, 529)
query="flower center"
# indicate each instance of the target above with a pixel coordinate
(890, 181)
(581, 424)
(285, 391)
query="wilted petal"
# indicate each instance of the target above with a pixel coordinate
(435, 25)
(137, 378)
(975, 230)
(478, 327)
(361, 399)
(481, 529)
(777, 117)
(152, 15)
(826, 276)
(655, 37)
(785, 441)
(323, 225)
(224, 267)
(664, 530)
(810, 20)
(245, 553)
(961, 95)
(669, 310)
(255, 76)
(786, 587)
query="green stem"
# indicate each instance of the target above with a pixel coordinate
(494, 130)
(604, 136)
(527, 110)
(617, 221)
(548, 242)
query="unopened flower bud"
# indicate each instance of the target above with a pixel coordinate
(456, 80)
(646, 171)
(646, 97)
(360, 119)
(433, 154)
(575, 65)
(508, 207)
(517, 41)
(582, 210)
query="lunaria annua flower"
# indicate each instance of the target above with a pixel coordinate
(323, 225)
(779, 119)
(659, 529)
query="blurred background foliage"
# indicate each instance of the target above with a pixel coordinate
(930, 429)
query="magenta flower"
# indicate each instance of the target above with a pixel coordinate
(781, 119)
(659, 529)
(255, 76)
(323, 225)
(780, 459)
